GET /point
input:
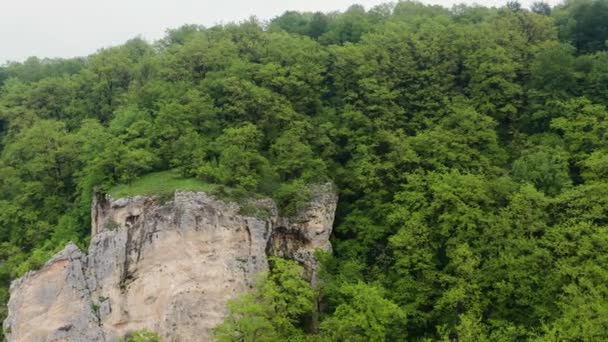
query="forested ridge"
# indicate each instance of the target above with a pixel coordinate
(469, 147)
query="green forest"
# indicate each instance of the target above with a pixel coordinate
(468, 145)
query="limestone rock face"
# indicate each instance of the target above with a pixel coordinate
(54, 303)
(168, 267)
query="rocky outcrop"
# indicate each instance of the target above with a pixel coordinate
(168, 267)
(54, 303)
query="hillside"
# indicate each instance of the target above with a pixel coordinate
(468, 146)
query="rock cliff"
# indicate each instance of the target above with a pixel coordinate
(168, 267)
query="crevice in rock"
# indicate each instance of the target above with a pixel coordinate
(142, 233)
(125, 277)
(249, 239)
(83, 262)
(285, 243)
(99, 204)
(131, 220)
(66, 327)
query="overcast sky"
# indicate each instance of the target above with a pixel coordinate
(68, 28)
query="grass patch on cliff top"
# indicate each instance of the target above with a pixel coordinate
(161, 184)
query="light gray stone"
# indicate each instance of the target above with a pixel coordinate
(168, 267)
(53, 303)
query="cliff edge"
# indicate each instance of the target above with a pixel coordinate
(168, 267)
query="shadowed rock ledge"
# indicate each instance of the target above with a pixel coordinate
(169, 267)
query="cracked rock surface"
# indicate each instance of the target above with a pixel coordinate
(168, 267)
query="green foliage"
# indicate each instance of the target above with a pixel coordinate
(291, 197)
(162, 184)
(546, 168)
(582, 22)
(274, 311)
(143, 335)
(469, 147)
(365, 315)
(583, 126)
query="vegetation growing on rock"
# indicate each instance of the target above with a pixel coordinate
(163, 183)
(143, 335)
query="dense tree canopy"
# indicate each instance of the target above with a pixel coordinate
(469, 147)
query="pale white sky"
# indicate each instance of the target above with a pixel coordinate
(68, 28)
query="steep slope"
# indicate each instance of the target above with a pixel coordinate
(169, 267)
